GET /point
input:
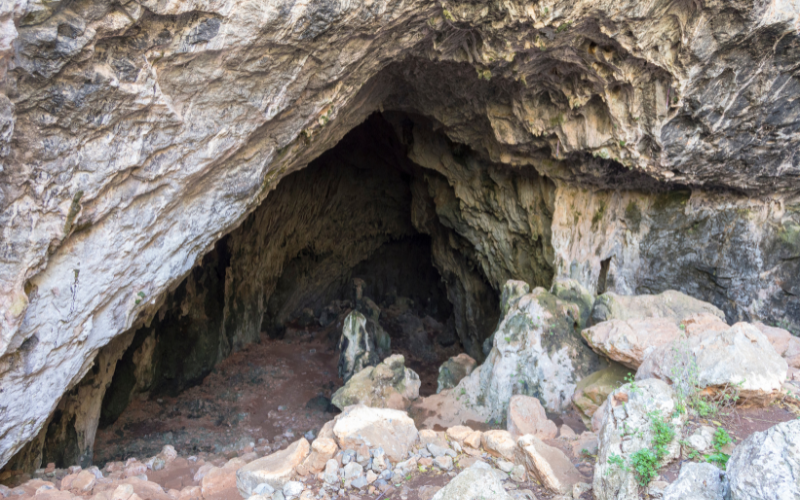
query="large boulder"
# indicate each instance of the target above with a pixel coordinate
(592, 391)
(629, 341)
(477, 482)
(388, 385)
(359, 344)
(697, 481)
(629, 428)
(526, 415)
(537, 351)
(739, 358)
(453, 370)
(274, 470)
(669, 304)
(766, 465)
(392, 430)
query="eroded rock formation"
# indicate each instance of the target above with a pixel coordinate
(632, 146)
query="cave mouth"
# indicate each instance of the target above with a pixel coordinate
(245, 348)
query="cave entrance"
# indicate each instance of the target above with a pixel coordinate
(245, 348)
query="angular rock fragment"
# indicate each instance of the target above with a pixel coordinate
(275, 469)
(592, 390)
(548, 464)
(526, 415)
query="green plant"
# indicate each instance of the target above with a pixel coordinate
(629, 379)
(622, 143)
(645, 462)
(564, 26)
(721, 438)
(448, 15)
(546, 11)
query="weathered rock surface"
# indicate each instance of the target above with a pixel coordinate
(526, 415)
(274, 470)
(388, 385)
(593, 390)
(766, 465)
(116, 121)
(670, 304)
(391, 430)
(627, 429)
(548, 464)
(630, 341)
(474, 483)
(739, 357)
(697, 481)
(453, 370)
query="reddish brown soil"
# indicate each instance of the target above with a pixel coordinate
(263, 391)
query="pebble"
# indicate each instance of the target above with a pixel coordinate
(444, 462)
(292, 488)
(263, 489)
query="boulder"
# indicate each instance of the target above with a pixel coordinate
(669, 304)
(548, 464)
(537, 350)
(785, 344)
(592, 391)
(739, 357)
(359, 344)
(499, 444)
(458, 433)
(766, 465)
(526, 415)
(474, 483)
(275, 469)
(391, 430)
(627, 429)
(454, 369)
(322, 450)
(388, 385)
(629, 341)
(697, 481)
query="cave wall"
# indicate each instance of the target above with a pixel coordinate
(134, 135)
(739, 253)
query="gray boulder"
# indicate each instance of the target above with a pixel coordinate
(475, 483)
(697, 481)
(766, 465)
(360, 344)
(572, 291)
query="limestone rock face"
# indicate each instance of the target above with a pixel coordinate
(474, 483)
(359, 344)
(629, 341)
(592, 391)
(537, 351)
(391, 430)
(766, 465)
(453, 370)
(388, 385)
(125, 156)
(632, 407)
(739, 357)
